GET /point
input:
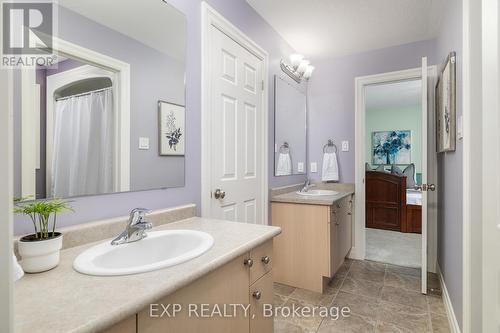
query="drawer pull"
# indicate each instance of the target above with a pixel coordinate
(266, 260)
(257, 294)
(248, 262)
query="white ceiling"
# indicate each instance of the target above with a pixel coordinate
(397, 95)
(152, 22)
(329, 28)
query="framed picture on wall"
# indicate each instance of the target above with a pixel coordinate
(446, 106)
(172, 128)
(391, 147)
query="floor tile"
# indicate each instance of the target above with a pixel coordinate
(285, 326)
(359, 305)
(433, 281)
(382, 327)
(351, 324)
(279, 300)
(306, 322)
(404, 297)
(312, 297)
(402, 281)
(440, 323)
(367, 270)
(362, 287)
(404, 270)
(436, 305)
(403, 316)
(282, 289)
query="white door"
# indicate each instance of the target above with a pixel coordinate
(237, 132)
(424, 173)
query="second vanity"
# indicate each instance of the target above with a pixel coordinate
(237, 270)
(316, 235)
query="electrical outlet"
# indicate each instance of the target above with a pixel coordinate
(345, 145)
(143, 143)
(300, 167)
(314, 167)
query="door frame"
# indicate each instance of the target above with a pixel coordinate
(358, 251)
(210, 18)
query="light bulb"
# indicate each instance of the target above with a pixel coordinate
(308, 72)
(295, 59)
(303, 66)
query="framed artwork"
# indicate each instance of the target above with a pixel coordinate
(172, 128)
(446, 107)
(391, 147)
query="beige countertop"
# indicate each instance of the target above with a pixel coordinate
(63, 300)
(324, 200)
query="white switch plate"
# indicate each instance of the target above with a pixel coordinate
(460, 128)
(300, 167)
(143, 143)
(345, 145)
(314, 167)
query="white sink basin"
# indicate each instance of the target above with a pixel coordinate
(158, 250)
(317, 193)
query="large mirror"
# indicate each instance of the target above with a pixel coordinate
(290, 137)
(109, 115)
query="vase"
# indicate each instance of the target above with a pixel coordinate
(39, 255)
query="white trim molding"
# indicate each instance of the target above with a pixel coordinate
(210, 17)
(359, 249)
(450, 313)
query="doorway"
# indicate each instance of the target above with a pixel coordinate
(234, 123)
(366, 210)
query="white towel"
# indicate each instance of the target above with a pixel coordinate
(330, 167)
(284, 167)
(17, 270)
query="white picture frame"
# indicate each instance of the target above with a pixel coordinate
(446, 107)
(171, 129)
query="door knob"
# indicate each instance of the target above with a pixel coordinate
(248, 262)
(219, 194)
(266, 260)
(257, 294)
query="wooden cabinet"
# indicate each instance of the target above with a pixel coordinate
(313, 242)
(246, 280)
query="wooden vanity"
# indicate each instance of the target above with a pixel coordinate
(246, 280)
(314, 242)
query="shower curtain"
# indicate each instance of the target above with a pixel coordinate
(82, 162)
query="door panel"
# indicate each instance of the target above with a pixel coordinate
(237, 131)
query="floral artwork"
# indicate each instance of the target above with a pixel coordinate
(172, 128)
(391, 147)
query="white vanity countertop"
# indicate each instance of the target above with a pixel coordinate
(63, 300)
(324, 200)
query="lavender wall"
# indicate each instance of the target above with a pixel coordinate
(450, 173)
(331, 97)
(245, 18)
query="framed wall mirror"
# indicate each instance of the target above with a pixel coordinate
(290, 128)
(89, 124)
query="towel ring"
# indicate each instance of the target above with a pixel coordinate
(330, 145)
(285, 148)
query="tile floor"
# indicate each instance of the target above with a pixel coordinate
(381, 297)
(393, 247)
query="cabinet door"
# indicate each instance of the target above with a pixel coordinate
(262, 257)
(261, 293)
(336, 237)
(226, 285)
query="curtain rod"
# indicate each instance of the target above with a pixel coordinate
(83, 94)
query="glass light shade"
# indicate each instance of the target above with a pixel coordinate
(295, 59)
(303, 66)
(308, 72)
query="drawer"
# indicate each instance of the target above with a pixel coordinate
(261, 293)
(262, 258)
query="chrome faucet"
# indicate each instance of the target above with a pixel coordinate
(307, 185)
(136, 227)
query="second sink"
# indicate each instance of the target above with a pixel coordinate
(159, 250)
(317, 193)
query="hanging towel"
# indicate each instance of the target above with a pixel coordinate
(330, 167)
(284, 167)
(17, 271)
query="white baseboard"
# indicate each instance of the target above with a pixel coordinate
(452, 319)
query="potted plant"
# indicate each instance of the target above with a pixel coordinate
(40, 251)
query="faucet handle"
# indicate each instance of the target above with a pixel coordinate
(140, 213)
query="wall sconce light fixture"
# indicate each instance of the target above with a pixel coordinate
(299, 68)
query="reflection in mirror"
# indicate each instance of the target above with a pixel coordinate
(290, 128)
(90, 124)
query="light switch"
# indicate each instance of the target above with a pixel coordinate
(460, 128)
(314, 167)
(143, 143)
(300, 167)
(345, 145)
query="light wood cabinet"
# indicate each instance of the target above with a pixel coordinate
(313, 243)
(237, 282)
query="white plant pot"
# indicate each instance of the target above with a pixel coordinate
(40, 255)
